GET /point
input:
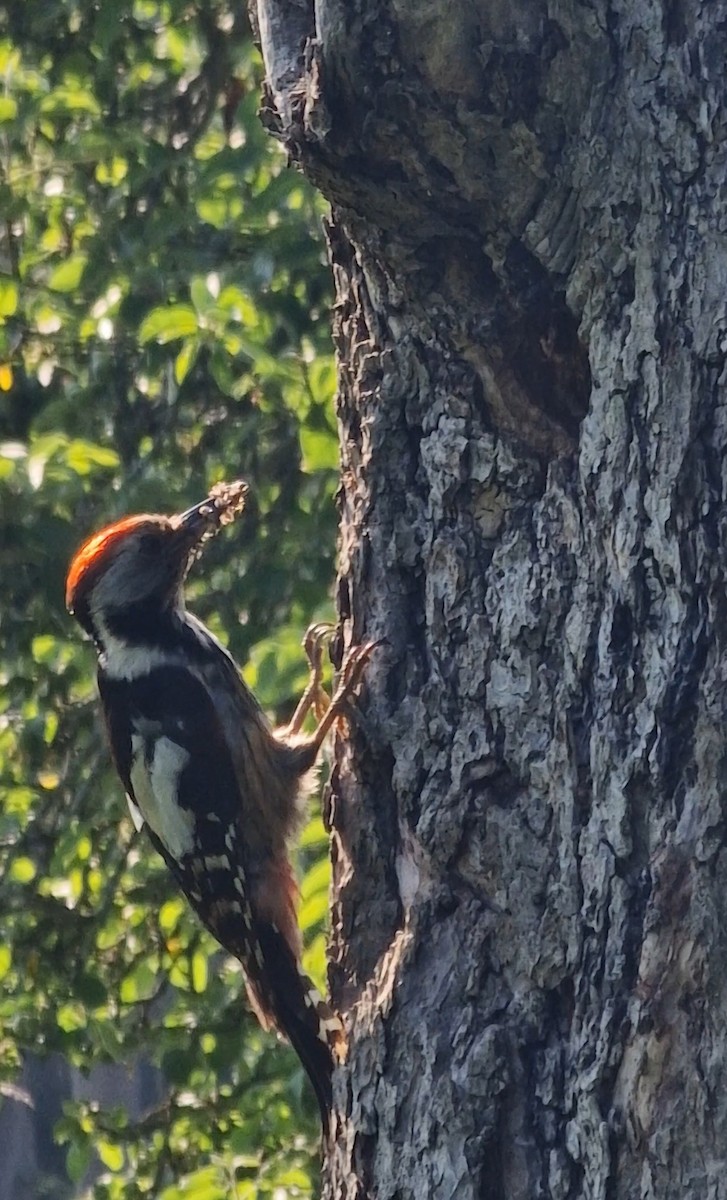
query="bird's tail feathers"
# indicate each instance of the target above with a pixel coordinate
(292, 1003)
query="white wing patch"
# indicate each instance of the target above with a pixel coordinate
(136, 814)
(155, 782)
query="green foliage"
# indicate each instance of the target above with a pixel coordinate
(162, 326)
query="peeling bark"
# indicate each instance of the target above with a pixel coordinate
(529, 252)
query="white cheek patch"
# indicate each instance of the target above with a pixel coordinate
(121, 660)
(155, 782)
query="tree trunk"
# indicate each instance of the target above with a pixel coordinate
(528, 243)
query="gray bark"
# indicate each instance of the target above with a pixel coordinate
(528, 243)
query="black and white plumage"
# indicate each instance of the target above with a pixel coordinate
(217, 790)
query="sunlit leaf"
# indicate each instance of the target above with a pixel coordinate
(6, 958)
(113, 171)
(67, 276)
(167, 324)
(48, 780)
(8, 108)
(320, 450)
(71, 1017)
(314, 834)
(8, 293)
(316, 879)
(139, 984)
(185, 360)
(206, 1184)
(111, 1155)
(313, 910)
(23, 869)
(82, 457)
(170, 913)
(69, 98)
(199, 971)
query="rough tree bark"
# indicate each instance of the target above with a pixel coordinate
(528, 243)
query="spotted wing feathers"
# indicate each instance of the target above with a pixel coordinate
(173, 759)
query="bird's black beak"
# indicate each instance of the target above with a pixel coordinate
(225, 502)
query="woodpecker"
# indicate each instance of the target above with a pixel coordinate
(218, 791)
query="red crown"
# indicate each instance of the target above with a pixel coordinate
(93, 552)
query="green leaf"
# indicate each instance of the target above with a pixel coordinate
(166, 324)
(239, 306)
(313, 910)
(199, 971)
(319, 449)
(68, 99)
(111, 1155)
(314, 834)
(201, 296)
(185, 360)
(44, 648)
(6, 958)
(82, 457)
(315, 961)
(8, 291)
(317, 879)
(294, 1178)
(8, 108)
(106, 1038)
(139, 984)
(113, 171)
(67, 277)
(206, 1184)
(71, 1017)
(78, 1160)
(170, 914)
(22, 870)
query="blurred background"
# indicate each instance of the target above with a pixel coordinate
(163, 325)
